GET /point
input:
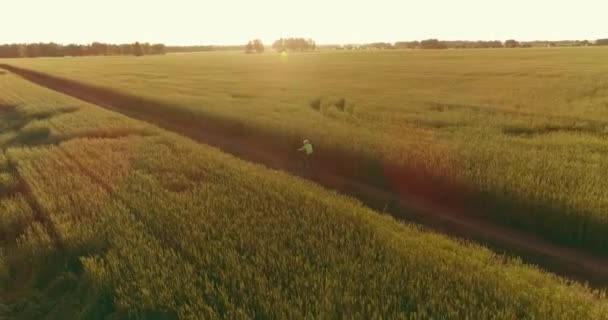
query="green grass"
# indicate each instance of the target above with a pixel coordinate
(525, 130)
(139, 222)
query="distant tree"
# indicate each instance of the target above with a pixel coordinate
(258, 46)
(579, 43)
(407, 44)
(137, 49)
(438, 44)
(601, 42)
(146, 48)
(511, 43)
(98, 49)
(249, 47)
(158, 48)
(126, 49)
(294, 44)
(254, 46)
(31, 50)
(46, 50)
(114, 50)
(56, 50)
(379, 45)
(73, 50)
(312, 45)
(9, 51)
(496, 44)
(279, 45)
(433, 44)
(483, 44)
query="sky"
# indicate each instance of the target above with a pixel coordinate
(222, 22)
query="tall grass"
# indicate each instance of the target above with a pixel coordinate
(523, 131)
(152, 225)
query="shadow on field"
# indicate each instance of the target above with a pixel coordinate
(43, 278)
(406, 193)
(17, 130)
(4, 108)
(591, 129)
(442, 107)
(17, 122)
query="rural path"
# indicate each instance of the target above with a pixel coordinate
(569, 262)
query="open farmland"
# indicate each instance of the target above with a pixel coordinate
(514, 136)
(101, 214)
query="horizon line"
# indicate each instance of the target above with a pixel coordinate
(319, 44)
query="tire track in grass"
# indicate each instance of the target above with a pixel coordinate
(23, 187)
(136, 213)
(40, 214)
(261, 148)
(152, 229)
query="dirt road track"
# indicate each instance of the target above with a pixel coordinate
(278, 153)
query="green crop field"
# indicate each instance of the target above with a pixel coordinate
(523, 131)
(102, 215)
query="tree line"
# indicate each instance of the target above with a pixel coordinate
(601, 42)
(282, 45)
(28, 50)
(255, 46)
(440, 44)
(51, 49)
(294, 44)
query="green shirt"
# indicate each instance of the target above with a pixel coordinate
(307, 148)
